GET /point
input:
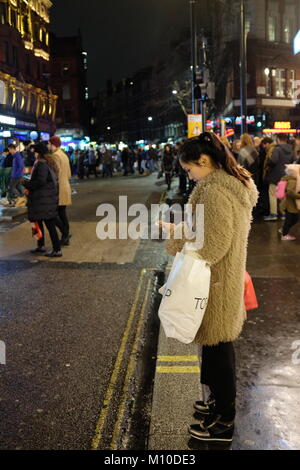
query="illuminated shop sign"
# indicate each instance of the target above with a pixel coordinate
(281, 127)
(11, 121)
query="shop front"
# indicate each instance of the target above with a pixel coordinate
(16, 128)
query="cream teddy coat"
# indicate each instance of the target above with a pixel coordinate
(228, 208)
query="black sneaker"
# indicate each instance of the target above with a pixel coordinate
(213, 430)
(54, 254)
(205, 407)
(65, 241)
(39, 249)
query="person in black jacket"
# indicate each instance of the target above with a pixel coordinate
(168, 164)
(43, 199)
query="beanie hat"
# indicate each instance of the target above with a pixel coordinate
(41, 149)
(55, 140)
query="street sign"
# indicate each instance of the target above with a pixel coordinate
(195, 125)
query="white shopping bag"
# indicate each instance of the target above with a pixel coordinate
(185, 297)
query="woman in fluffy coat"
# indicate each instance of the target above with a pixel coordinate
(228, 194)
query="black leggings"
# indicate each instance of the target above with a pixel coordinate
(218, 373)
(290, 220)
(62, 221)
(50, 224)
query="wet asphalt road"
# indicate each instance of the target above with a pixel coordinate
(63, 324)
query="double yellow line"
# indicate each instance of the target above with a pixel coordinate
(195, 369)
(98, 435)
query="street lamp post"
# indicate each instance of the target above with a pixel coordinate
(243, 67)
(193, 53)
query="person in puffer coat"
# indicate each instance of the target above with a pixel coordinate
(229, 195)
(42, 201)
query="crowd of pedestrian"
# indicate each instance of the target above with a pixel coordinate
(46, 190)
(269, 160)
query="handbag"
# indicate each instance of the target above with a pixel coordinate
(36, 231)
(250, 298)
(281, 189)
(185, 297)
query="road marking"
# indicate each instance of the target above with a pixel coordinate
(130, 371)
(178, 369)
(116, 369)
(163, 198)
(177, 358)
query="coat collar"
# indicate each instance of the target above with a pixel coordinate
(228, 184)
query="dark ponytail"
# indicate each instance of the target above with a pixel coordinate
(209, 144)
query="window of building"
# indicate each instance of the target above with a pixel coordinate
(3, 13)
(26, 25)
(2, 92)
(14, 18)
(15, 57)
(272, 28)
(273, 21)
(33, 103)
(291, 83)
(289, 21)
(68, 116)
(280, 83)
(28, 65)
(66, 94)
(65, 70)
(6, 52)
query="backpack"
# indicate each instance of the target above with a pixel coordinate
(281, 189)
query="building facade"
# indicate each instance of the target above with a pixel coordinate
(69, 81)
(151, 105)
(27, 103)
(272, 68)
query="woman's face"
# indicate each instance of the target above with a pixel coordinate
(198, 170)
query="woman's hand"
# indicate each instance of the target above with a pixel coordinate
(165, 226)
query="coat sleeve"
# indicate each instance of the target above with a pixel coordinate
(39, 177)
(218, 228)
(291, 190)
(274, 158)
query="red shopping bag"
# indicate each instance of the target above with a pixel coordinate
(249, 293)
(36, 231)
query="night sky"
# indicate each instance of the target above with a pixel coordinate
(120, 36)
